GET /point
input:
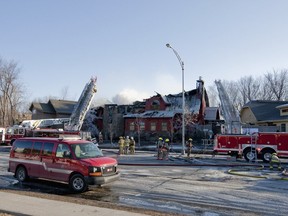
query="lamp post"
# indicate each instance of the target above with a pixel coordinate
(183, 98)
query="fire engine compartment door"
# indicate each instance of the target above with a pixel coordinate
(232, 142)
(282, 143)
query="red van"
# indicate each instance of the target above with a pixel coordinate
(71, 160)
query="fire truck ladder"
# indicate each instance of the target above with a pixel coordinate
(253, 152)
(229, 111)
(82, 106)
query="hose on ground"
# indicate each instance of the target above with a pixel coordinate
(239, 172)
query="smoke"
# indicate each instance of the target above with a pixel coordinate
(128, 96)
(167, 84)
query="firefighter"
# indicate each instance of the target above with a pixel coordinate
(189, 146)
(164, 153)
(126, 145)
(132, 146)
(121, 145)
(159, 144)
(275, 160)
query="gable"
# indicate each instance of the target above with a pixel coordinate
(54, 107)
(62, 106)
(212, 114)
(41, 107)
(155, 103)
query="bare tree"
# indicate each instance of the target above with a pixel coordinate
(265, 92)
(273, 86)
(64, 93)
(11, 92)
(277, 83)
(249, 88)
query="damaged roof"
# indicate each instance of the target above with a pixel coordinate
(154, 114)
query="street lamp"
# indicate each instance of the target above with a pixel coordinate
(183, 98)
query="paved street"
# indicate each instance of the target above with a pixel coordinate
(201, 186)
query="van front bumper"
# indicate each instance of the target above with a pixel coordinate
(100, 180)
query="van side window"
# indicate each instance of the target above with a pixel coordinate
(47, 149)
(37, 148)
(22, 146)
(61, 149)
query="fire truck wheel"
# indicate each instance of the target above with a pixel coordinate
(21, 174)
(249, 155)
(77, 183)
(266, 155)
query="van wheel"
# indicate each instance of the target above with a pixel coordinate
(21, 174)
(77, 183)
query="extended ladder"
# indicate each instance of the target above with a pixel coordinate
(229, 111)
(82, 107)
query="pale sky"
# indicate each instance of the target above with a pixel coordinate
(63, 43)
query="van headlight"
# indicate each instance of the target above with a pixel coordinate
(95, 171)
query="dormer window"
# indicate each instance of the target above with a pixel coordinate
(155, 104)
(284, 112)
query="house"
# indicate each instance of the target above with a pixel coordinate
(52, 109)
(267, 114)
(163, 115)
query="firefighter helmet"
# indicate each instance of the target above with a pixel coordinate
(190, 139)
(166, 140)
(160, 138)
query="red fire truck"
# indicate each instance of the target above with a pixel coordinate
(10, 134)
(259, 145)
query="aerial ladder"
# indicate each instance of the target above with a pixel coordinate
(82, 106)
(229, 113)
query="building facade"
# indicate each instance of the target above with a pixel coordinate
(266, 115)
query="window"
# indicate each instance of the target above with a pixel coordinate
(61, 149)
(284, 112)
(155, 105)
(37, 148)
(22, 147)
(132, 126)
(142, 125)
(153, 126)
(164, 126)
(48, 148)
(87, 150)
(283, 127)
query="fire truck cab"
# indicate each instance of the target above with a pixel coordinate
(13, 133)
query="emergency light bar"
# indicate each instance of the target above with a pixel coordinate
(69, 137)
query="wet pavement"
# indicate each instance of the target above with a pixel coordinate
(140, 159)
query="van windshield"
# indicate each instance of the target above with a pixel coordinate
(86, 150)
